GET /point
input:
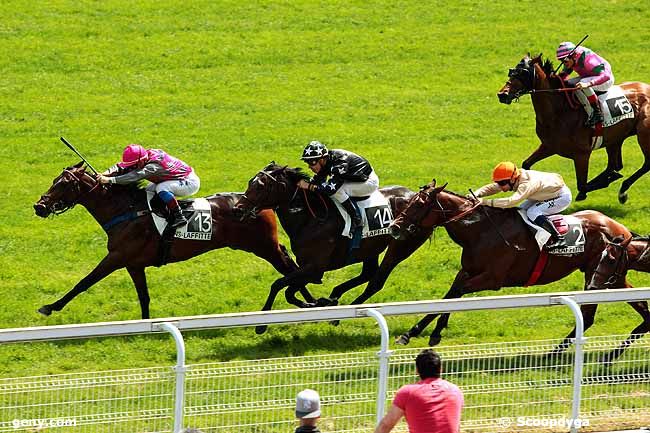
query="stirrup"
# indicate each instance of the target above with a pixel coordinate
(178, 222)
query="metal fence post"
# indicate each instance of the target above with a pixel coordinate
(179, 397)
(384, 355)
(579, 358)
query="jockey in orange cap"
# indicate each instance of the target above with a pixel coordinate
(170, 177)
(542, 194)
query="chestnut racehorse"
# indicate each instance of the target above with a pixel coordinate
(314, 227)
(559, 124)
(499, 249)
(134, 242)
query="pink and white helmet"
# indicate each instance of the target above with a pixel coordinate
(564, 50)
(133, 154)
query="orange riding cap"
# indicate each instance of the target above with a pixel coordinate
(505, 171)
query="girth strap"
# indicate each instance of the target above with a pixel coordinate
(129, 216)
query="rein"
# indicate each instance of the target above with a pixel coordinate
(311, 211)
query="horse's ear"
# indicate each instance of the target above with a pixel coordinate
(433, 182)
(79, 164)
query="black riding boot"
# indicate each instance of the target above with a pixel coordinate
(556, 238)
(355, 217)
(178, 219)
(596, 115)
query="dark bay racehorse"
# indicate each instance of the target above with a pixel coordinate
(620, 255)
(314, 226)
(559, 123)
(134, 243)
(499, 249)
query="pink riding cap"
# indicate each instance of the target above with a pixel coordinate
(133, 154)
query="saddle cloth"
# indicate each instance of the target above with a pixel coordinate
(199, 219)
(616, 107)
(567, 225)
(376, 215)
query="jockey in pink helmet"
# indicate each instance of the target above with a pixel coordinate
(595, 74)
(170, 177)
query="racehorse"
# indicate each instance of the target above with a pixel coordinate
(314, 227)
(134, 242)
(620, 255)
(499, 249)
(561, 130)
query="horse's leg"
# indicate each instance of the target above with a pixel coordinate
(581, 165)
(641, 307)
(588, 314)
(297, 278)
(108, 265)
(426, 320)
(542, 152)
(644, 143)
(140, 280)
(368, 270)
(610, 173)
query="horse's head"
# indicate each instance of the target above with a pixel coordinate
(612, 267)
(268, 189)
(423, 211)
(66, 191)
(521, 79)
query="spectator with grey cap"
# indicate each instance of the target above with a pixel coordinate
(308, 411)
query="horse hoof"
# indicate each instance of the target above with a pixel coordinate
(581, 196)
(403, 340)
(335, 322)
(434, 340)
(326, 302)
(260, 329)
(308, 305)
(45, 310)
(622, 198)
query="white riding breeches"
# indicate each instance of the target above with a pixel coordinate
(548, 207)
(357, 189)
(179, 187)
(583, 94)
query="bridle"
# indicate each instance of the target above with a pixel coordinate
(427, 210)
(620, 265)
(60, 206)
(526, 75)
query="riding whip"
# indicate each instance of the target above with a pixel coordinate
(71, 147)
(571, 53)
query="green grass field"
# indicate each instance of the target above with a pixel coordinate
(228, 86)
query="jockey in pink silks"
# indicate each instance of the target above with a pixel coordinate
(170, 177)
(595, 74)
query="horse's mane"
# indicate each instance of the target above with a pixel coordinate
(293, 172)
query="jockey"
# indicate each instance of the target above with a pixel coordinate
(350, 175)
(169, 177)
(595, 74)
(544, 194)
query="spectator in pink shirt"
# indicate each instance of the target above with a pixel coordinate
(431, 405)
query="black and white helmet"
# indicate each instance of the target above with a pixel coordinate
(314, 150)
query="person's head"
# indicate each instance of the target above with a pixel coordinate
(308, 407)
(315, 155)
(133, 156)
(427, 364)
(565, 53)
(505, 174)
